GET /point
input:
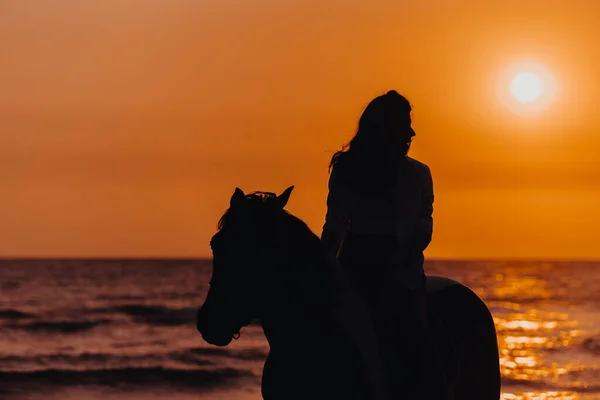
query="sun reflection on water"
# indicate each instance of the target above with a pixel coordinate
(534, 342)
(540, 396)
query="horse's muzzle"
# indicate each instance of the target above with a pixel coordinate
(216, 339)
(208, 329)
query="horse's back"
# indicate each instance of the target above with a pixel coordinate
(468, 325)
(456, 305)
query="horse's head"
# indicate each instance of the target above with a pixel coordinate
(249, 241)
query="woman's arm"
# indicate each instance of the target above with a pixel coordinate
(332, 241)
(337, 219)
(424, 230)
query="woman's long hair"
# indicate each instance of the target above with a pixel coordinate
(370, 161)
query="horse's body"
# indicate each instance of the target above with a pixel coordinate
(464, 329)
(321, 342)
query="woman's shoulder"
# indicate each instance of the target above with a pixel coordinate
(343, 173)
(418, 165)
(419, 170)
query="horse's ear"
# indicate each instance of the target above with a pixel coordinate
(284, 197)
(237, 198)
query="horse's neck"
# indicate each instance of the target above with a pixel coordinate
(296, 324)
(300, 308)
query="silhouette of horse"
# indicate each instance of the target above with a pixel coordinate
(268, 265)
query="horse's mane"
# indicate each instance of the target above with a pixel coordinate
(256, 197)
(301, 237)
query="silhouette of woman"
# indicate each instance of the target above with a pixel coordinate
(378, 223)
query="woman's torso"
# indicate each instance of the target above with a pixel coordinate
(389, 212)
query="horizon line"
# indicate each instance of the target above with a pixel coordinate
(206, 258)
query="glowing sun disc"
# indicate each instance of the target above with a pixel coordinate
(526, 87)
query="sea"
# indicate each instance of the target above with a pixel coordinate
(125, 329)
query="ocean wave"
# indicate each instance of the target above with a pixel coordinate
(154, 315)
(592, 344)
(63, 327)
(251, 354)
(80, 361)
(12, 314)
(148, 377)
(525, 300)
(141, 314)
(153, 296)
(121, 297)
(196, 357)
(552, 386)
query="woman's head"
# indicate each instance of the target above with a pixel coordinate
(385, 122)
(383, 136)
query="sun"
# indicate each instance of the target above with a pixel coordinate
(526, 87)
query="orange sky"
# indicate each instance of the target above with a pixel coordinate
(125, 126)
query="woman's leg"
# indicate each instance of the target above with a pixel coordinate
(432, 376)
